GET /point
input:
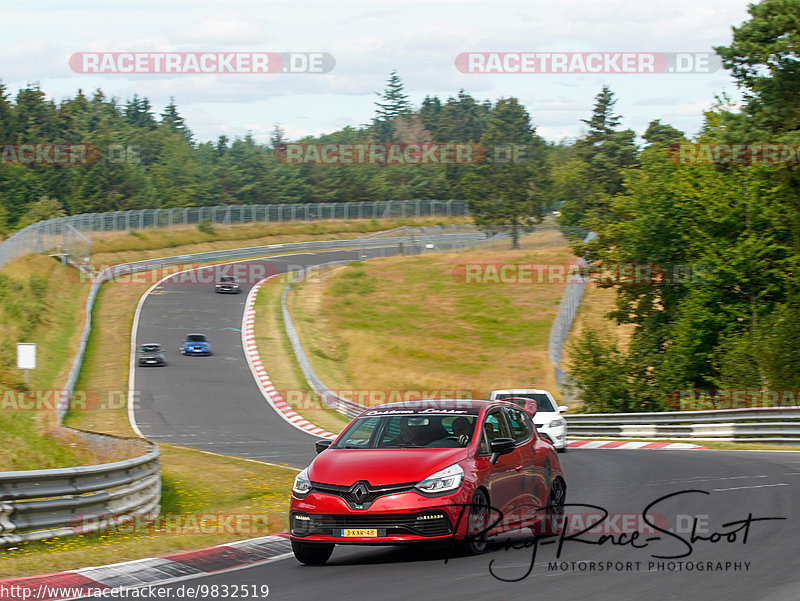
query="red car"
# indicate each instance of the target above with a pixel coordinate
(442, 471)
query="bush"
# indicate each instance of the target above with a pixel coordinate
(206, 226)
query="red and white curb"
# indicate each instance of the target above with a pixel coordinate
(622, 444)
(154, 571)
(260, 374)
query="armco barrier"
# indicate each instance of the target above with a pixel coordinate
(761, 424)
(562, 324)
(38, 504)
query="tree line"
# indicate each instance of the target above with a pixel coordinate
(732, 321)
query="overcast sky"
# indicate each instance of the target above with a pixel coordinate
(368, 39)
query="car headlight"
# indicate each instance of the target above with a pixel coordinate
(557, 423)
(450, 478)
(302, 485)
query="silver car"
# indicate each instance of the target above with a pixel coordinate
(151, 353)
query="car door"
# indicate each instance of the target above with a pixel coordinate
(533, 487)
(503, 478)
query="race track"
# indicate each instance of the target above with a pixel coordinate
(212, 403)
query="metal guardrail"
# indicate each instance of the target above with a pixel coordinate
(328, 397)
(761, 424)
(562, 324)
(38, 504)
(65, 231)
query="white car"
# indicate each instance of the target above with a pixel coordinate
(545, 413)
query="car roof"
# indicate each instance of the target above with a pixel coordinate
(522, 391)
(468, 404)
(150, 344)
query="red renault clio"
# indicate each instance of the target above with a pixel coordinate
(429, 471)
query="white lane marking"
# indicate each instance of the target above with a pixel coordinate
(746, 487)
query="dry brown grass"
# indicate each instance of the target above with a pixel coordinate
(405, 325)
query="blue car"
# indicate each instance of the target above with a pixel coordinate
(196, 344)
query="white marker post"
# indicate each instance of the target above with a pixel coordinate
(26, 358)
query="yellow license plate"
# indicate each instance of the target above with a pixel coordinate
(359, 532)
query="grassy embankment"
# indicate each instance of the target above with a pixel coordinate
(411, 326)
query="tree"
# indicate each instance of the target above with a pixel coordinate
(663, 134)
(42, 209)
(607, 152)
(139, 113)
(509, 196)
(394, 102)
(171, 119)
(763, 59)
(277, 137)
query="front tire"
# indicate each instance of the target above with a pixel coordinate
(312, 554)
(554, 512)
(477, 523)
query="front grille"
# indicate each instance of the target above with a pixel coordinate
(368, 497)
(431, 523)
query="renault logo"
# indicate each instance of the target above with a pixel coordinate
(360, 492)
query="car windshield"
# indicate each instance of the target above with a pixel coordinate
(195, 338)
(150, 348)
(429, 430)
(227, 279)
(543, 402)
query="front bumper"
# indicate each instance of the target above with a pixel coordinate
(227, 289)
(151, 362)
(197, 352)
(557, 435)
(396, 518)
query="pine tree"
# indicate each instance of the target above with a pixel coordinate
(394, 103)
(139, 113)
(172, 119)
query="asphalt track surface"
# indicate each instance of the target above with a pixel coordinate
(213, 404)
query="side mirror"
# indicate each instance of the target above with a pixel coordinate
(500, 446)
(321, 445)
(563, 408)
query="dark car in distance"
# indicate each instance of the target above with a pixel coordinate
(227, 284)
(151, 353)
